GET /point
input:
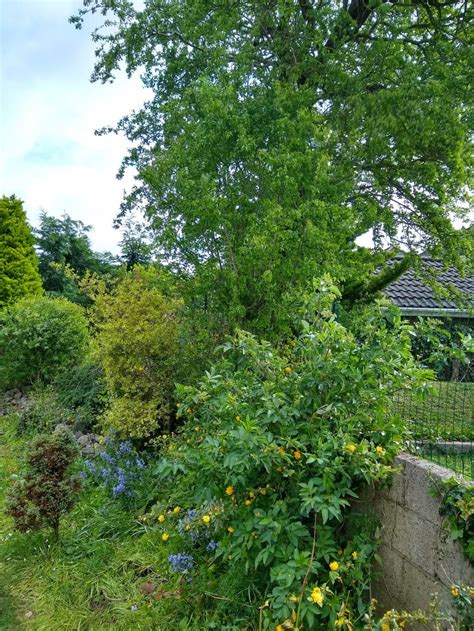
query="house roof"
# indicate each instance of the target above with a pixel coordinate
(414, 297)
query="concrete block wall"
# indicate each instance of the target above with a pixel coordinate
(419, 558)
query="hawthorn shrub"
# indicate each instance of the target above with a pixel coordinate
(275, 448)
(137, 345)
(40, 338)
(47, 490)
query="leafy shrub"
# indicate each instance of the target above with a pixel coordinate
(274, 451)
(40, 338)
(82, 390)
(137, 345)
(444, 346)
(47, 490)
(43, 412)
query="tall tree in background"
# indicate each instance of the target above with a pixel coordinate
(63, 246)
(280, 132)
(19, 275)
(135, 244)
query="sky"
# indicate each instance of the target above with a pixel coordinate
(49, 155)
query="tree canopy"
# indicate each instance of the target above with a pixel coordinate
(19, 275)
(280, 132)
(63, 246)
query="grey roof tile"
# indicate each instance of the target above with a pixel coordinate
(409, 291)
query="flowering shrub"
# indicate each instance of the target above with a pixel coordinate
(119, 468)
(274, 450)
(47, 490)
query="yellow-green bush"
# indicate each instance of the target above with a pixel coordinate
(138, 346)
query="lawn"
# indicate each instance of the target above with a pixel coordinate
(447, 413)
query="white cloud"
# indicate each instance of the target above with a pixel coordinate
(50, 156)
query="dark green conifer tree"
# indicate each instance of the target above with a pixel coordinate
(19, 274)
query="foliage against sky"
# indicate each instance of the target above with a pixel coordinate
(280, 132)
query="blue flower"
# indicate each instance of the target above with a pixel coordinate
(125, 448)
(181, 562)
(212, 545)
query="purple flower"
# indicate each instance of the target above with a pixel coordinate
(212, 545)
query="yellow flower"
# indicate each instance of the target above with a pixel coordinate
(187, 527)
(237, 418)
(354, 555)
(334, 565)
(385, 626)
(455, 591)
(165, 536)
(229, 490)
(288, 370)
(230, 529)
(161, 518)
(279, 628)
(281, 450)
(317, 596)
(252, 494)
(401, 624)
(248, 502)
(206, 519)
(297, 454)
(176, 509)
(351, 448)
(380, 450)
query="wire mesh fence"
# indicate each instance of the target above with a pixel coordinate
(442, 424)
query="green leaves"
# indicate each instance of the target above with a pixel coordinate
(19, 275)
(39, 339)
(276, 444)
(274, 139)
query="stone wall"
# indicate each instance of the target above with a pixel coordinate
(419, 558)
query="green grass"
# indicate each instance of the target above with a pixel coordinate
(446, 413)
(93, 578)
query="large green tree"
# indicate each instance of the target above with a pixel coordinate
(19, 275)
(63, 247)
(279, 132)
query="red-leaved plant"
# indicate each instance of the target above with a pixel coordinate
(47, 489)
